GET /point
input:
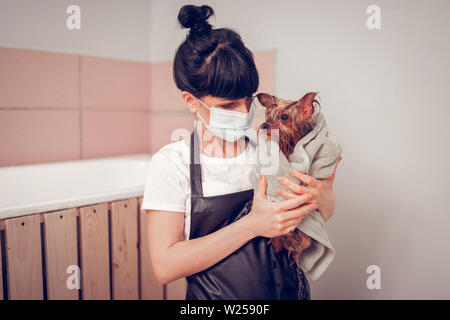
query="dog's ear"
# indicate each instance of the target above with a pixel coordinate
(265, 99)
(306, 105)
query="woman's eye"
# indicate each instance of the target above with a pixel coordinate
(284, 117)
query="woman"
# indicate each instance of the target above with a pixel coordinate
(205, 222)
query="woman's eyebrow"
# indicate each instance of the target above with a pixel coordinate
(228, 104)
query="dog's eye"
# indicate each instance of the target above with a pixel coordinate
(264, 126)
(284, 117)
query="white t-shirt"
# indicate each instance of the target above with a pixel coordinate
(167, 184)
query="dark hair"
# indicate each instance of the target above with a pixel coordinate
(212, 61)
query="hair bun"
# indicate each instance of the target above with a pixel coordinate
(195, 17)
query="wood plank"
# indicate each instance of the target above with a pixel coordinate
(124, 251)
(24, 260)
(150, 288)
(94, 252)
(1, 273)
(60, 252)
(176, 290)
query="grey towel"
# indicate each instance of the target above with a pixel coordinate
(316, 154)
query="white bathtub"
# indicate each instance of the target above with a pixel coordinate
(38, 188)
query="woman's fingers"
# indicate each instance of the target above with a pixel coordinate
(298, 213)
(289, 195)
(295, 187)
(303, 177)
(286, 194)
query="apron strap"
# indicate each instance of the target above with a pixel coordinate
(195, 170)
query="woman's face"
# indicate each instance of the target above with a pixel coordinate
(220, 147)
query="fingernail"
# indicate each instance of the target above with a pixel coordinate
(281, 178)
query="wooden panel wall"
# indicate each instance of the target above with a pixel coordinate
(109, 243)
(60, 252)
(94, 252)
(124, 249)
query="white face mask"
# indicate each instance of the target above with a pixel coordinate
(227, 124)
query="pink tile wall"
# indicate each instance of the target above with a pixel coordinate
(161, 81)
(115, 107)
(36, 136)
(111, 83)
(115, 133)
(30, 78)
(57, 107)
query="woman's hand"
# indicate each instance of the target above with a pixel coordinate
(273, 219)
(320, 189)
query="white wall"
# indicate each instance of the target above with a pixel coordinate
(384, 94)
(109, 28)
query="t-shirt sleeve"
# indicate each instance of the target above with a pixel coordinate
(163, 186)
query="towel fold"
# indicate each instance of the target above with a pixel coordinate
(316, 154)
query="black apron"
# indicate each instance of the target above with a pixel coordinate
(254, 271)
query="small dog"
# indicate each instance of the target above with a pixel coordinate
(293, 121)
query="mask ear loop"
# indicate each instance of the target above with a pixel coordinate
(201, 120)
(199, 116)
